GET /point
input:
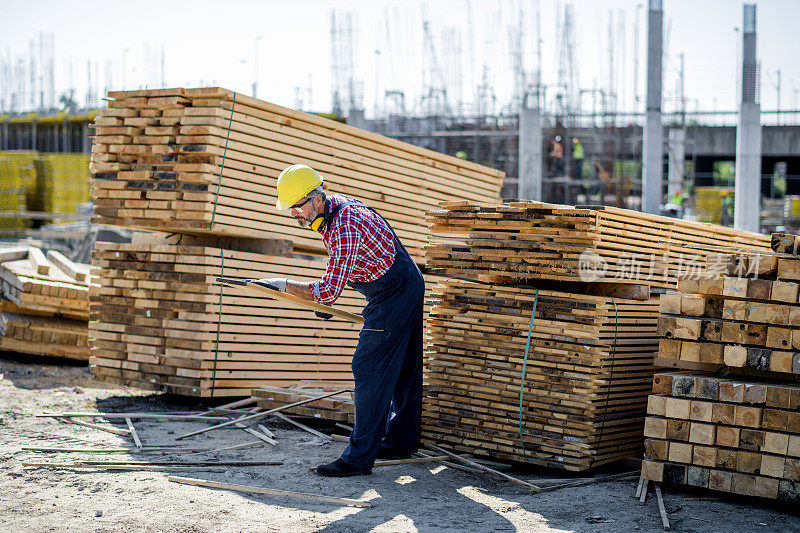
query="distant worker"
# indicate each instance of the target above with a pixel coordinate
(726, 216)
(557, 153)
(365, 253)
(577, 158)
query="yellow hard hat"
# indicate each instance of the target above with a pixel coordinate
(294, 183)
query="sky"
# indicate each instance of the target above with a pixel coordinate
(216, 43)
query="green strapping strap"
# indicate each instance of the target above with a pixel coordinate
(524, 365)
(224, 153)
(219, 322)
(610, 375)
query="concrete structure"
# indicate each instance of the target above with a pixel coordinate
(530, 154)
(652, 156)
(747, 208)
(357, 119)
(677, 160)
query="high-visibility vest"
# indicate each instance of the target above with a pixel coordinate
(577, 151)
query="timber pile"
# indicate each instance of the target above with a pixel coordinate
(590, 364)
(727, 435)
(584, 392)
(207, 161)
(339, 408)
(44, 304)
(739, 434)
(746, 316)
(524, 241)
(157, 322)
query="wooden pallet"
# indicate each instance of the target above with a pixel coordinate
(44, 304)
(161, 321)
(576, 412)
(729, 435)
(523, 241)
(207, 161)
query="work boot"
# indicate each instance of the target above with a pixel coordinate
(393, 453)
(339, 468)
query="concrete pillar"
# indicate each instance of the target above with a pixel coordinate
(653, 151)
(356, 119)
(747, 202)
(677, 158)
(529, 183)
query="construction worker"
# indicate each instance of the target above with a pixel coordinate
(577, 158)
(557, 153)
(364, 252)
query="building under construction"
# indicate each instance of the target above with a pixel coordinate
(535, 134)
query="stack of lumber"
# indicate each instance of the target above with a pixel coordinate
(207, 161)
(593, 338)
(585, 382)
(44, 308)
(740, 434)
(157, 322)
(745, 316)
(524, 241)
(339, 408)
(729, 435)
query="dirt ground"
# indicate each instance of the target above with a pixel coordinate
(412, 497)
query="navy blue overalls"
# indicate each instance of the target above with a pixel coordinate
(387, 363)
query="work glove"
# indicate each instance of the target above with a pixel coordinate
(278, 284)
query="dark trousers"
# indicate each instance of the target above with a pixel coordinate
(387, 364)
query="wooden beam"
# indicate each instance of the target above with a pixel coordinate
(479, 466)
(282, 296)
(260, 415)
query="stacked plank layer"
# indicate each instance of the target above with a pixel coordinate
(44, 305)
(157, 322)
(207, 161)
(585, 383)
(524, 241)
(747, 316)
(730, 435)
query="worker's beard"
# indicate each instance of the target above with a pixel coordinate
(305, 222)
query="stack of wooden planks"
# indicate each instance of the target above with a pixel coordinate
(524, 241)
(730, 435)
(339, 408)
(745, 316)
(584, 385)
(160, 320)
(207, 161)
(740, 434)
(578, 401)
(44, 307)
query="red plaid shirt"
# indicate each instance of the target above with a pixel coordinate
(360, 249)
